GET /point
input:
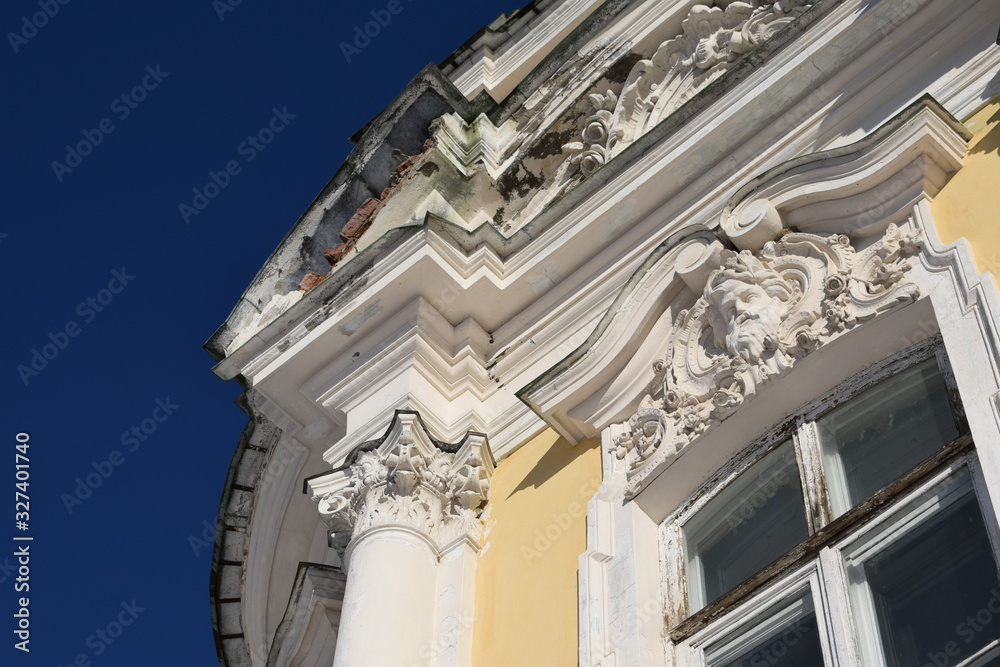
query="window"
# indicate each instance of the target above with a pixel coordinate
(883, 432)
(852, 534)
(757, 518)
(786, 637)
(928, 588)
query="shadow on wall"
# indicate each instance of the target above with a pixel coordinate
(990, 142)
(558, 456)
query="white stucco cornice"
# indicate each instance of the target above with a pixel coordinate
(529, 38)
(545, 286)
(445, 309)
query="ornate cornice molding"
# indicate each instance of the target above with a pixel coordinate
(713, 37)
(411, 480)
(757, 313)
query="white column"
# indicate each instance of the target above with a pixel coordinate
(394, 509)
(389, 568)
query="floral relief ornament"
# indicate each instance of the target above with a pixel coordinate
(757, 315)
(714, 36)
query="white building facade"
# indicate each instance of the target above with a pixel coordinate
(637, 333)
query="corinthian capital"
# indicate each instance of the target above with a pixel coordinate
(408, 479)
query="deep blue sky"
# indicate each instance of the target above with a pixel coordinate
(117, 210)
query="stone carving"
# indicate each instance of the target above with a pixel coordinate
(713, 38)
(757, 314)
(407, 478)
(748, 302)
(599, 135)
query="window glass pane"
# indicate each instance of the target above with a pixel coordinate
(935, 591)
(757, 518)
(790, 638)
(880, 434)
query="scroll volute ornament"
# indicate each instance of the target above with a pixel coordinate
(757, 313)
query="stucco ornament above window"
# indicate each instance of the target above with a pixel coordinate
(713, 38)
(758, 313)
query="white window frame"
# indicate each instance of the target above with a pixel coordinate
(845, 638)
(893, 524)
(848, 632)
(800, 427)
(695, 652)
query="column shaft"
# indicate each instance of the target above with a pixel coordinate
(387, 618)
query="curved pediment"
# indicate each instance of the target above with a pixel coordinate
(720, 318)
(758, 314)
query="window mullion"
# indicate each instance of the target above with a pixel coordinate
(836, 605)
(810, 461)
(957, 409)
(676, 579)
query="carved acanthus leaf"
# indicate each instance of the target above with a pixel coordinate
(757, 314)
(408, 479)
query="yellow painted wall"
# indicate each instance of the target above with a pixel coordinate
(968, 204)
(526, 580)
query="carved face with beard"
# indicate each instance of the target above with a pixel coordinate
(747, 303)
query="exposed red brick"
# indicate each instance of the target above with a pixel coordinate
(405, 165)
(366, 209)
(334, 255)
(354, 228)
(311, 280)
(360, 220)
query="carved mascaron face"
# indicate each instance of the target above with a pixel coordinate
(751, 316)
(747, 303)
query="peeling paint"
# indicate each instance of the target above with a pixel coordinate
(551, 144)
(518, 181)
